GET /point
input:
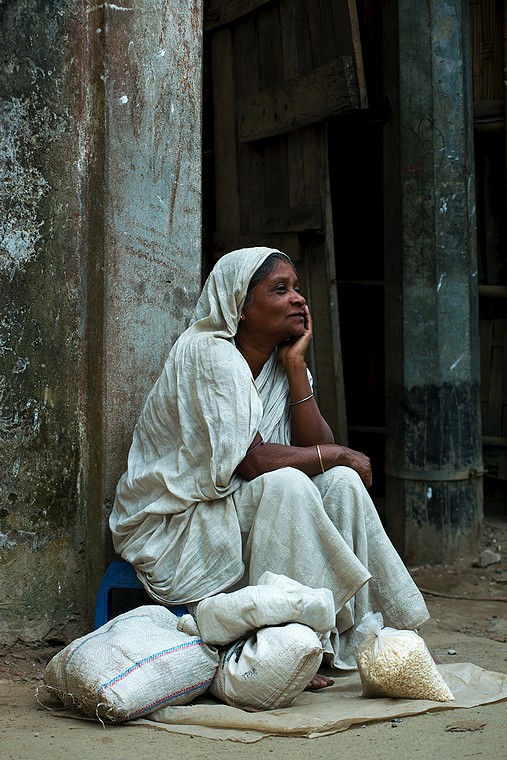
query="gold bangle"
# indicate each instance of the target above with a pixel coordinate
(322, 468)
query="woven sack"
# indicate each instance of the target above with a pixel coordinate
(394, 663)
(269, 669)
(131, 666)
(276, 600)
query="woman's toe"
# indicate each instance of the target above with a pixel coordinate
(320, 682)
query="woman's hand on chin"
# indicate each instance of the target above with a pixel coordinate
(293, 350)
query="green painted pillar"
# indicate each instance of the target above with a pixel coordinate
(433, 427)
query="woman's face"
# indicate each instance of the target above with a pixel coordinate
(275, 311)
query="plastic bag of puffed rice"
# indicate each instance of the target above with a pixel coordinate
(394, 663)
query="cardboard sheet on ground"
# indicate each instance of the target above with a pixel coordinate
(333, 709)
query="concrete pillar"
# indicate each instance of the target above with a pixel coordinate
(99, 262)
(43, 223)
(433, 430)
(151, 268)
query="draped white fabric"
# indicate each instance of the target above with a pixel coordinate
(192, 527)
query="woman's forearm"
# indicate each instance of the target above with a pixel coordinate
(273, 456)
(308, 427)
(311, 460)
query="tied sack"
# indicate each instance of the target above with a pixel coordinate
(398, 664)
(133, 665)
(269, 669)
(276, 600)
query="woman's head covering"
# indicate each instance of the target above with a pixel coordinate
(219, 306)
(174, 516)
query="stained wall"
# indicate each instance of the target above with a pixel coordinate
(99, 266)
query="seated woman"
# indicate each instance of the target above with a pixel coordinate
(233, 471)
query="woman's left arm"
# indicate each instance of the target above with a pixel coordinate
(308, 427)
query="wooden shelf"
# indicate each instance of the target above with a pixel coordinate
(367, 283)
(493, 291)
(494, 440)
(366, 429)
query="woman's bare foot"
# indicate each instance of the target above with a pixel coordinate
(320, 682)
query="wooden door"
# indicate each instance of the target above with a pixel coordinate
(280, 70)
(488, 22)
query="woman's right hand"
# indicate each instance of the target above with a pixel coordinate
(294, 350)
(346, 457)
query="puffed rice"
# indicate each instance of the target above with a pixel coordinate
(394, 663)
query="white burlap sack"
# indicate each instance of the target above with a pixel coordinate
(269, 668)
(398, 664)
(132, 666)
(275, 600)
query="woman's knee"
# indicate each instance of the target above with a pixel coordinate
(286, 479)
(342, 485)
(342, 477)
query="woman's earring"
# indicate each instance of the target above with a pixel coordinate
(242, 316)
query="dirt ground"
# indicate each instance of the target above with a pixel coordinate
(468, 605)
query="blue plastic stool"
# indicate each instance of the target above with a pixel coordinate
(120, 574)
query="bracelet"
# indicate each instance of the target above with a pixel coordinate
(295, 403)
(322, 468)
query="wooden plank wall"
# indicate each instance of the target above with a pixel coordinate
(486, 25)
(274, 70)
(280, 69)
(488, 21)
(494, 394)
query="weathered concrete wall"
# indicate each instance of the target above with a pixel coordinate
(99, 262)
(433, 426)
(152, 234)
(152, 173)
(42, 517)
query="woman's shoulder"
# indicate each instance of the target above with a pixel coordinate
(203, 351)
(201, 344)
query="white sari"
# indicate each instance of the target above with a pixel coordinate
(192, 527)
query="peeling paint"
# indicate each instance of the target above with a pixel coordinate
(41, 221)
(20, 366)
(25, 128)
(458, 361)
(110, 6)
